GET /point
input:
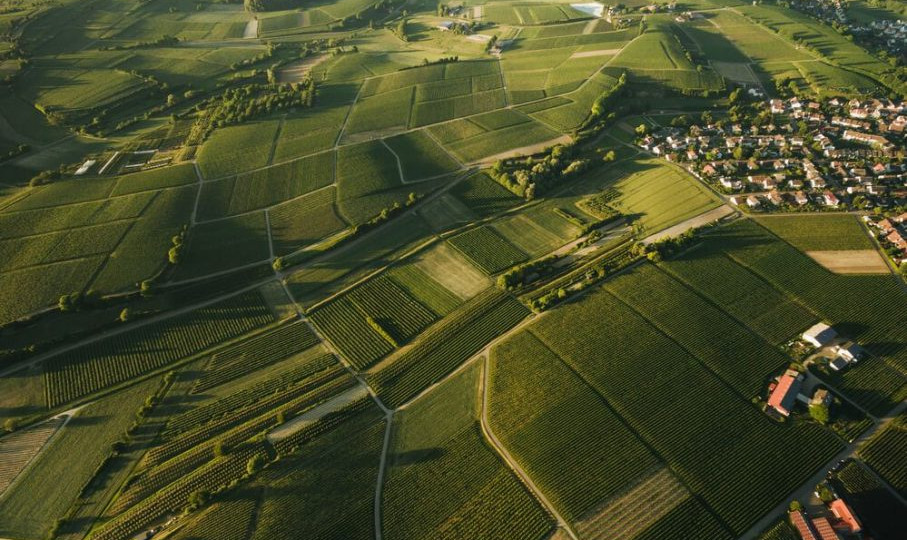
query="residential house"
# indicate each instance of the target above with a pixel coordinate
(846, 516)
(830, 199)
(896, 238)
(753, 202)
(730, 183)
(801, 198)
(784, 395)
(775, 198)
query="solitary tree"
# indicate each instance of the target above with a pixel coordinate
(819, 412)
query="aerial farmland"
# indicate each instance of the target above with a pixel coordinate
(466, 270)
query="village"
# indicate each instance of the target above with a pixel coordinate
(796, 155)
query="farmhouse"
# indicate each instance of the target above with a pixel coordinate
(799, 520)
(819, 335)
(785, 393)
(848, 520)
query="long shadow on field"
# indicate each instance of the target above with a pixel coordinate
(421, 455)
(80, 420)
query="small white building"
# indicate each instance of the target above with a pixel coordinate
(819, 335)
(851, 352)
(837, 363)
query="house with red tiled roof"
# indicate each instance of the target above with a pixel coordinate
(824, 530)
(896, 238)
(784, 395)
(848, 519)
(798, 520)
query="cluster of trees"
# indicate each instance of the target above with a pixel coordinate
(237, 105)
(427, 62)
(173, 254)
(602, 268)
(526, 177)
(527, 273)
(163, 41)
(367, 16)
(77, 301)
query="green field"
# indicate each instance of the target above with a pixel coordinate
(488, 250)
(856, 305)
(28, 510)
(106, 363)
(443, 481)
(266, 188)
(699, 422)
(822, 232)
(656, 196)
(881, 453)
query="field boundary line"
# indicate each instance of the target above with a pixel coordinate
(34, 459)
(399, 163)
(333, 350)
(193, 217)
(349, 112)
(431, 136)
(270, 236)
(186, 281)
(266, 208)
(508, 459)
(382, 470)
(276, 139)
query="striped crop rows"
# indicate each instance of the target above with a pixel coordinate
(127, 355)
(255, 353)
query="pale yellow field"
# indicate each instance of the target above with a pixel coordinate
(857, 261)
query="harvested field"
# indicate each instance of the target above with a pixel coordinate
(18, 449)
(298, 70)
(451, 269)
(633, 511)
(527, 150)
(855, 261)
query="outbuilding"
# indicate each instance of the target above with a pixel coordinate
(819, 335)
